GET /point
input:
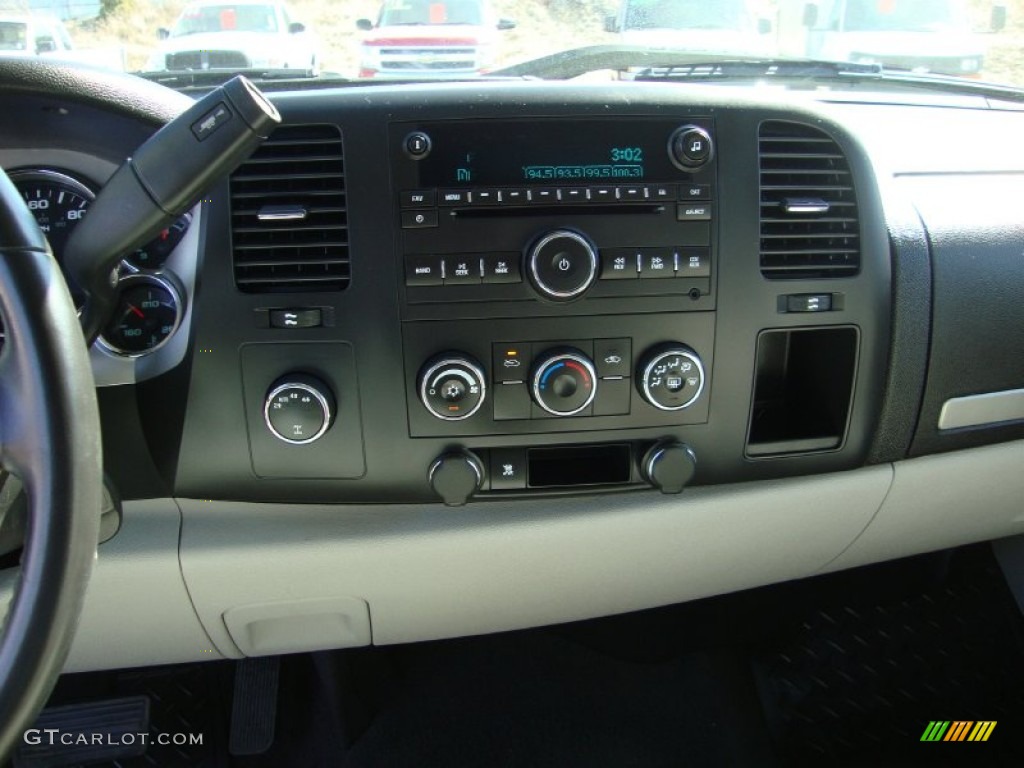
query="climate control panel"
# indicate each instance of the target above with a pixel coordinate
(511, 377)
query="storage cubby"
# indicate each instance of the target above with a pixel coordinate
(802, 391)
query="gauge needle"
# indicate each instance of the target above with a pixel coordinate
(136, 310)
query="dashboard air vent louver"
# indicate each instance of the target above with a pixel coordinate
(289, 224)
(809, 224)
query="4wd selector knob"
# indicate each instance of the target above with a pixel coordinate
(562, 264)
(670, 377)
(452, 386)
(298, 409)
(564, 381)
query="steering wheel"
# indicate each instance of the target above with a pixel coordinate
(50, 438)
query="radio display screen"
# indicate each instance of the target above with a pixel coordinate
(547, 151)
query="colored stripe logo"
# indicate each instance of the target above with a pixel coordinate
(958, 730)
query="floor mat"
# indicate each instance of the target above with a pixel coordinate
(536, 699)
(858, 680)
(186, 701)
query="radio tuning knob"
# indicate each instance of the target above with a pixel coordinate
(562, 265)
(670, 377)
(690, 148)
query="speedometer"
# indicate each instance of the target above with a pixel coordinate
(57, 201)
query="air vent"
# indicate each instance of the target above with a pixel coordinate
(288, 218)
(809, 224)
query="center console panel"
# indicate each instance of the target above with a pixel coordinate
(546, 300)
(605, 225)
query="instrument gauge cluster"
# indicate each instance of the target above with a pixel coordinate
(151, 298)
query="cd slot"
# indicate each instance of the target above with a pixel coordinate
(557, 209)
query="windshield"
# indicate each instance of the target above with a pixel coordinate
(225, 18)
(902, 16)
(13, 36)
(382, 40)
(684, 14)
(399, 12)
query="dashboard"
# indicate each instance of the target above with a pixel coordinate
(420, 366)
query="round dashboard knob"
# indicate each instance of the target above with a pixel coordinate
(562, 265)
(670, 377)
(690, 147)
(564, 382)
(298, 409)
(456, 476)
(669, 466)
(452, 386)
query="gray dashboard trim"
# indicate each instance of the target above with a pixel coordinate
(431, 572)
(981, 410)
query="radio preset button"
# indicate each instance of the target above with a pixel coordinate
(543, 196)
(602, 194)
(483, 197)
(513, 197)
(562, 264)
(573, 195)
(631, 193)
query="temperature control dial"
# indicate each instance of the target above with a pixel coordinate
(671, 377)
(453, 387)
(299, 409)
(564, 382)
(562, 264)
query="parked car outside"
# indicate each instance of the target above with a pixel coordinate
(917, 35)
(693, 25)
(236, 36)
(419, 39)
(42, 34)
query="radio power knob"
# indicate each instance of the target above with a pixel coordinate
(562, 265)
